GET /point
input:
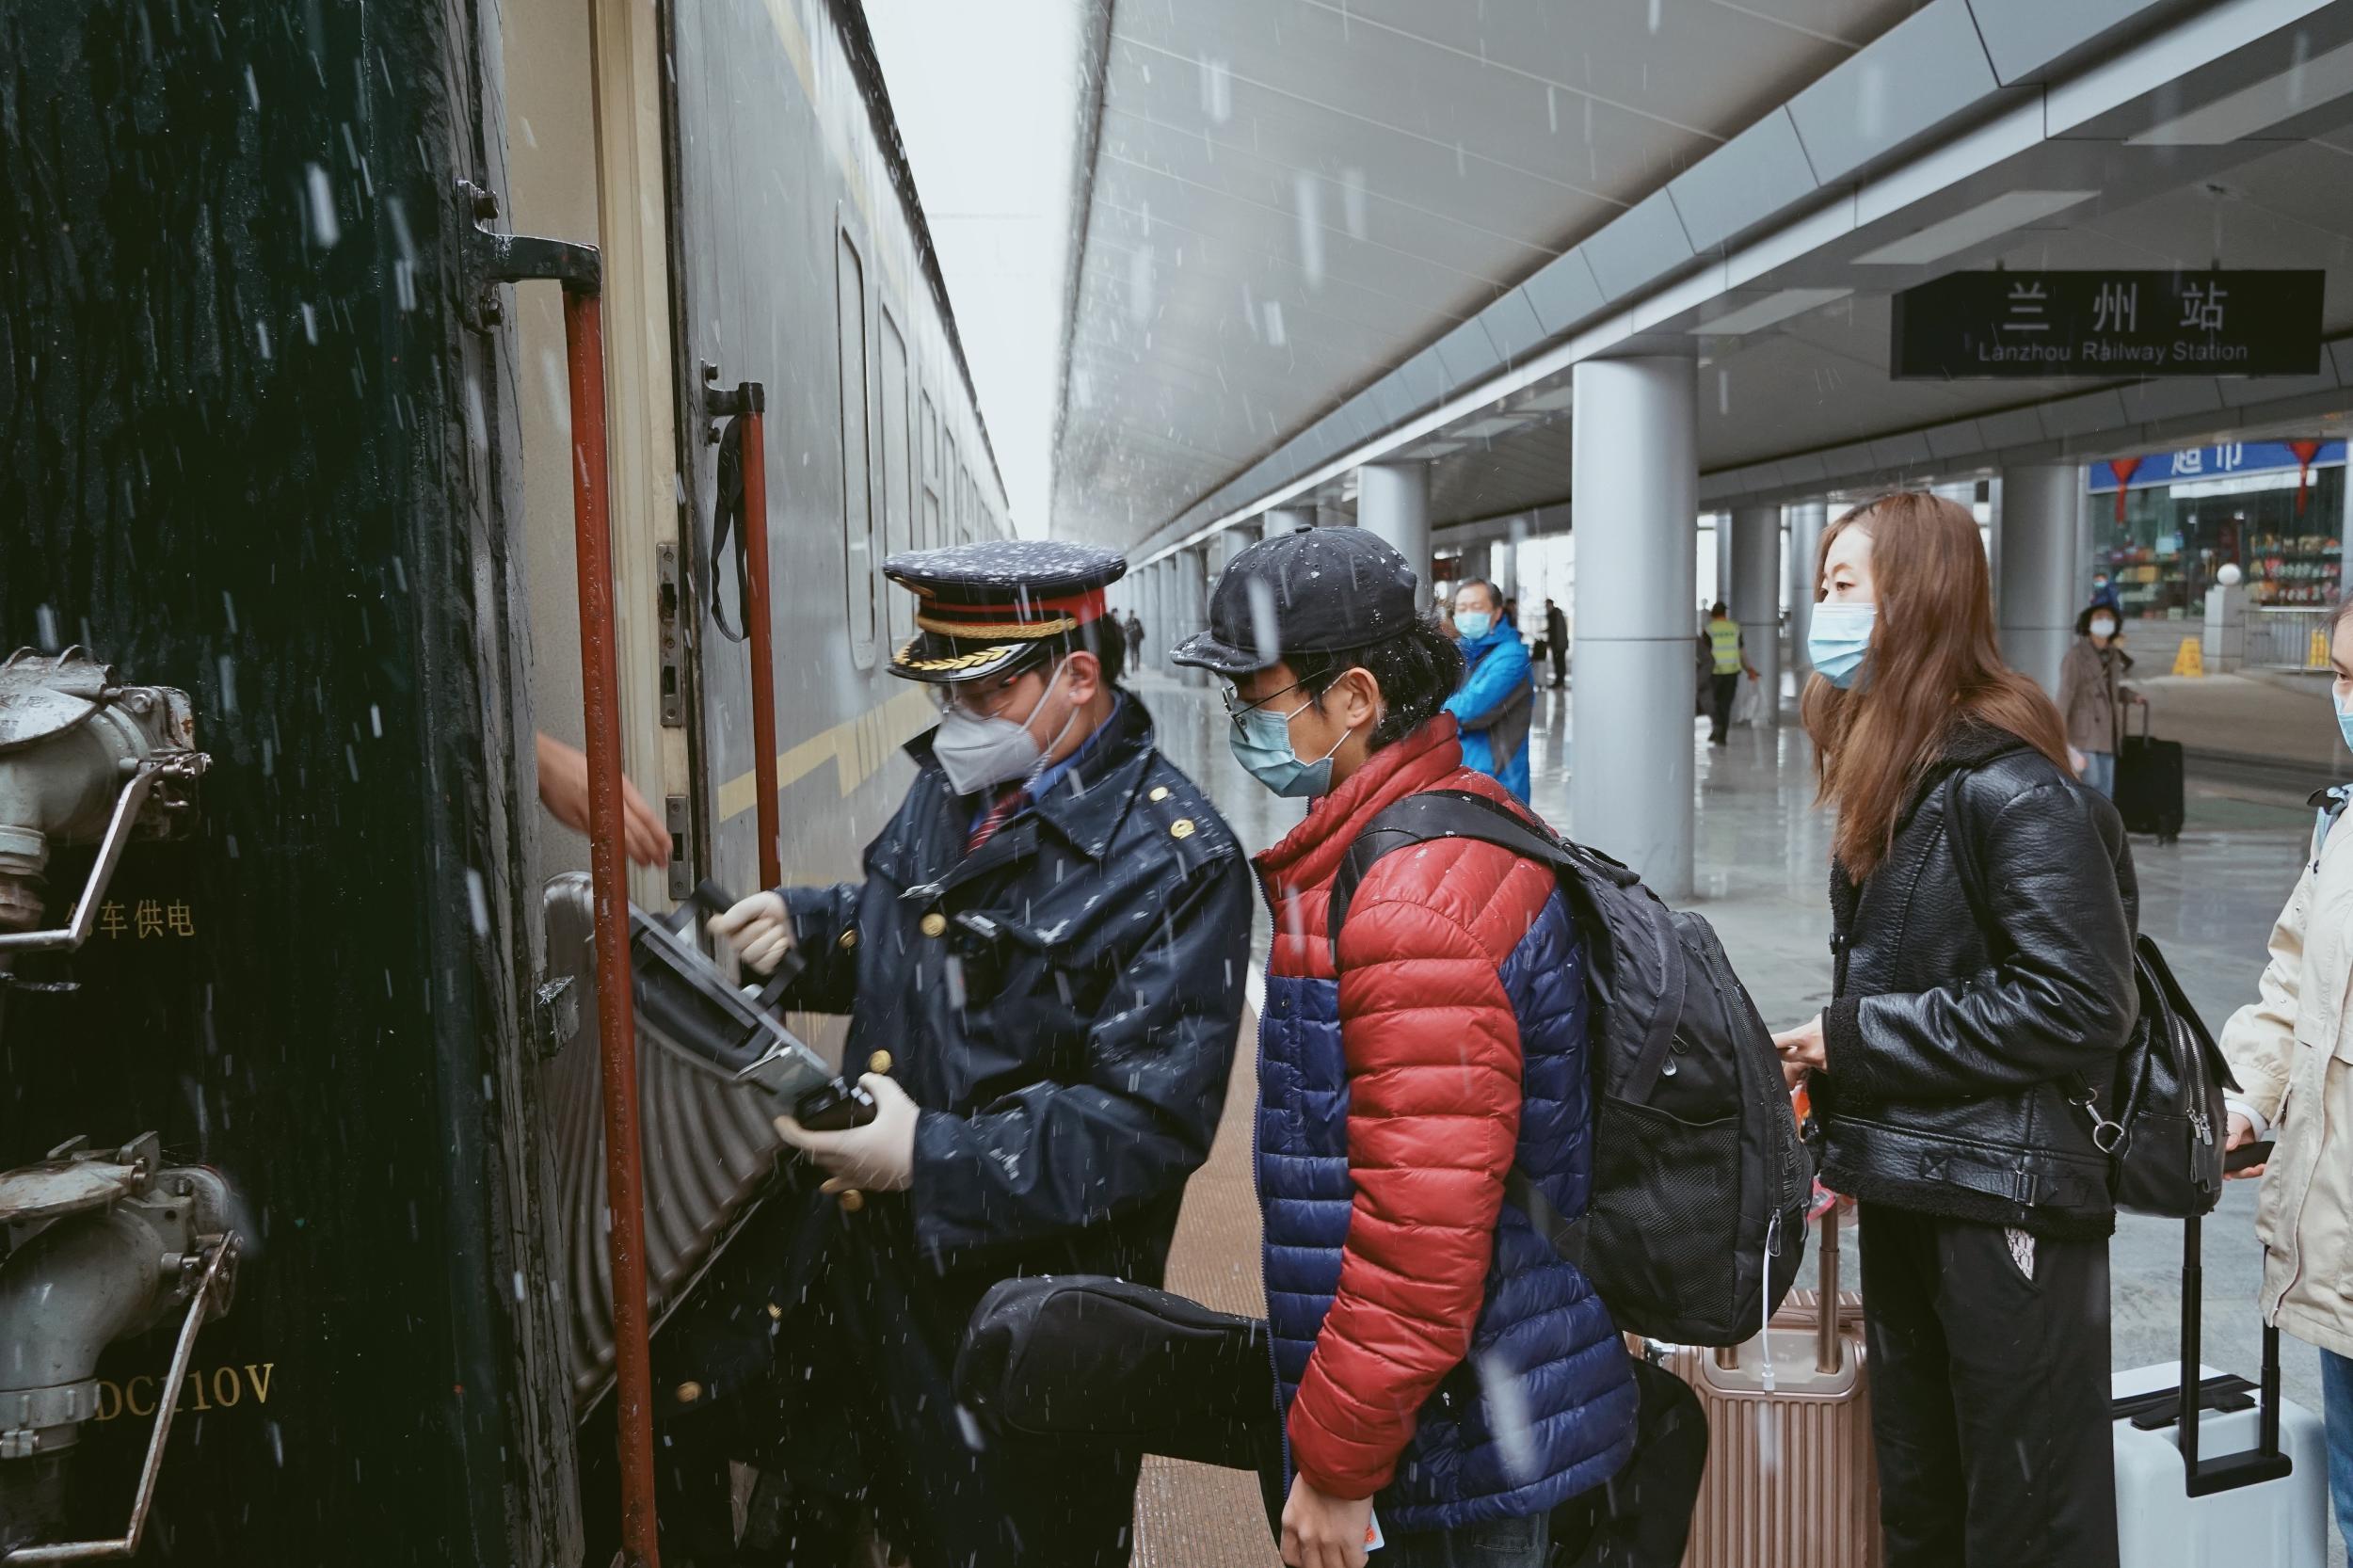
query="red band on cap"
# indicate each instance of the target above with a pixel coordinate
(1080, 607)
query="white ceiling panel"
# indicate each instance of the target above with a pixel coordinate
(1290, 198)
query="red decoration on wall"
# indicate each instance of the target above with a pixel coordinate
(2123, 468)
(2305, 452)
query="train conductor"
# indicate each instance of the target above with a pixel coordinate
(1043, 970)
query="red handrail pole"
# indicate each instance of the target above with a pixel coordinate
(763, 649)
(616, 1022)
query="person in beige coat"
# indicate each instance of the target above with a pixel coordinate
(2292, 1052)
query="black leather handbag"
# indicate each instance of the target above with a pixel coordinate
(2161, 1121)
(1089, 1358)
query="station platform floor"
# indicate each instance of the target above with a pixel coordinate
(1762, 856)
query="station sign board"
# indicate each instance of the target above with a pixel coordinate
(1987, 326)
(2196, 463)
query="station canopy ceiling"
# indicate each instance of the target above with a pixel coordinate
(1310, 222)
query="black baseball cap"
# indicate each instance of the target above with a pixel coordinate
(1314, 590)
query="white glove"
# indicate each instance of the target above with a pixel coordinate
(878, 1157)
(760, 930)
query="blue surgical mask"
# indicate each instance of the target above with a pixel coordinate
(2344, 725)
(1836, 637)
(1473, 623)
(1262, 744)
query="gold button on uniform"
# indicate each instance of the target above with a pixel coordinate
(852, 1200)
(1159, 791)
(848, 941)
(1180, 829)
(775, 1311)
(932, 924)
(689, 1391)
(878, 1062)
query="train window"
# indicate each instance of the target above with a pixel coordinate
(949, 498)
(897, 513)
(858, 515)
(929, 434)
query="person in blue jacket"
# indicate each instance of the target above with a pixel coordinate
(1499, 696)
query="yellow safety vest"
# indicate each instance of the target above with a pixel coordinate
(1724, 640)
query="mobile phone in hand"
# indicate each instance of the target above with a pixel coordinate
(2244, 1155)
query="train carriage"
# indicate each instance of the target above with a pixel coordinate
(273, 436)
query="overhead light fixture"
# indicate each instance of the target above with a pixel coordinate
(1759, 314)
(2253, 109)
(1981, 223)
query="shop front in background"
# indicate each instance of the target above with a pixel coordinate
(2164, 524)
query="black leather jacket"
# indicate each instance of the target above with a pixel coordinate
(1983, 969)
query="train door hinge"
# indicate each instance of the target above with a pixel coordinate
(668, 617)
(485, 259)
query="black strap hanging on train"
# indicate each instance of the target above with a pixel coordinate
(727, 519)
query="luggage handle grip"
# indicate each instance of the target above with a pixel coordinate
(709, 895)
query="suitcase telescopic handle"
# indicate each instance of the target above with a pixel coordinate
(2225, 1472)
(1826, 1350)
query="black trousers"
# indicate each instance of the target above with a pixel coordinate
(1721, 689)
(1989, 1395)
(1560, 661)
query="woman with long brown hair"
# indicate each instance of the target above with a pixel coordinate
(1982, 907)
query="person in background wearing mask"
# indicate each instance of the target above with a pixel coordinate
(1043, 969)
(2104, 592)
(1983, 911)
(1498, 697)
(2093, 694)
(2292, 1052)
(1443, 1373)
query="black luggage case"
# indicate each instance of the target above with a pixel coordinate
(2149, 783)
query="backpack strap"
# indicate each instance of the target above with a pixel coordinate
(1462, 814)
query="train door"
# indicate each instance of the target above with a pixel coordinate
(783, 226)
(583, 161)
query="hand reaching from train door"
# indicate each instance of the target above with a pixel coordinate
(564, 790)
(758, 928)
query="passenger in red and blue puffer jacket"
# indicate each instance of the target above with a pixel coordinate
(1441, 1368)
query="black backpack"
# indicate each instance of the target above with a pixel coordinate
(1700, 1181)
(2160, 1120)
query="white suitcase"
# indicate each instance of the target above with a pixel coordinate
(2236, 1475)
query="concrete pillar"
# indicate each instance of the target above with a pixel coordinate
(1393, 503)
(1807, 519)
(1228, 543)
(1721, 530)
(1191, 569)
(1633, 485)
(1285, 520)
(2036, 597)
(1754, 595)
(1160, 633)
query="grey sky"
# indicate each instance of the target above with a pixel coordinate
(986, 99)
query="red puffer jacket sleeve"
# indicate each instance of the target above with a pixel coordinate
(1433, 1120)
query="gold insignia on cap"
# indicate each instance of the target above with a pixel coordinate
(1180, 829)
(936, 923)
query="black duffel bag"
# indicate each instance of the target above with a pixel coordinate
(1086, 1357)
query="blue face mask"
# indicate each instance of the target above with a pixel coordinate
(1836, 638)
(1262, 744)
(1473, 623)
(2344, 725)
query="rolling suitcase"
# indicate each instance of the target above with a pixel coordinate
(2230, 1473)
(1791, 1480)
(2149, 783)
